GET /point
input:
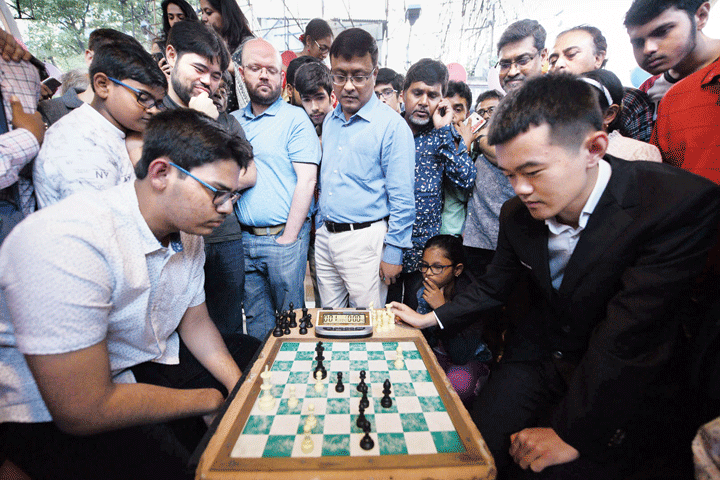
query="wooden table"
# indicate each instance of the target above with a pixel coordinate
(471, 461)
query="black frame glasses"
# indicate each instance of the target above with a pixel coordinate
(357, 80)
(386, 94)
(147, 102)
(521, 61)
(219, 196)
(434, 269)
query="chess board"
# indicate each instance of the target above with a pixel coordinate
(426, 433)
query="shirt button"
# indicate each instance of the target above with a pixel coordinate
(330, 193)
(566, 328)
(334, 171)
(557, 355)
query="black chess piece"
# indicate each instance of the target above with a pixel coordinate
(277, 332)
(364, 401)
(286, 327)
(303, 329)
(339, 386)
(386, 401)
(362, 420)
(362, 381)
(321, 368)
(367, 442)
(304, 312)
(308, 320)
(292, 315)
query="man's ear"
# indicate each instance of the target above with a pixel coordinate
(702, 15)
(89, 57)
(595, 145)
(101, 84)
(458, 269)
(171, 55)
(158, 173)
(333, 98)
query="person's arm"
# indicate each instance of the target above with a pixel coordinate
(459, 167)
(19, 146)
(248, 176)
(82, 399)
(204, 341)
(11, 49)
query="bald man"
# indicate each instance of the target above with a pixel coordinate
(275, 213)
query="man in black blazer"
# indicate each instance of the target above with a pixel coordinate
(612, 249)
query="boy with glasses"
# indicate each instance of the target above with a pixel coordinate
(388, 86)
(367, 206)
(86, 148)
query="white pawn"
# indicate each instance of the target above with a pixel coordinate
(311, 419)
(319, 386)
(307, 444)
(399, 358)
(292, 401)
(267, 401)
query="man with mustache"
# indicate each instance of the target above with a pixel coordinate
(198, 56)
(275, 213)
(668, 42)
(366, 207)
(522, 53)
(440, 153)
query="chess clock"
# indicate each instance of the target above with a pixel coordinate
(343, 324)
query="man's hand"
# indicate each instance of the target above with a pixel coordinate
(411, 317)
(203, 103)
(165, 67)
(285, 239)
(389, 272)
(11, 49)
(465, 131)
(32, 122)
(434, 296)
(443, 114)
(538, 448)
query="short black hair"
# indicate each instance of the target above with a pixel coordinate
(462, 89)
(235, 28)
(429, 71)
(187, 10)
(451, 245)
(312, 76)
(355, 42)
(522, 29)
(296, 63)
(599, 40)
(642, 11)
(564, 102)
(614, 87)
(317, 29)
(195, 37)
(190, 139)
(390, 77)
(487, 94)
(104, 36)
(127, 61)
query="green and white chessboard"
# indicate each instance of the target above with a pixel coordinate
(416, 424)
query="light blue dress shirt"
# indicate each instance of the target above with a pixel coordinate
(368, 173)
(280, 136)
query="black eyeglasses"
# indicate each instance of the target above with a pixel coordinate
(323, 48)
(386, 93)
(520, 61)
(485, 111)
(357, 80)
(220, 196)
(144, 99)
(434, 269)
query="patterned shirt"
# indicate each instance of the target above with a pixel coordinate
(104, 276)
(18, 147)
(436, 157)
(81, 151)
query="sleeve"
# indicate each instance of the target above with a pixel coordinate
(17, 149)
(398, 166)
(630, 349)
(303, 144)
(459, 167)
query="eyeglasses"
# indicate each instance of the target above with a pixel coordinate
(485, 111)
(386, 93)
(256, 68)
(520, 61)
(220, 196)
(323, 48)
(357, 80)
(144, 99)
(434, 269)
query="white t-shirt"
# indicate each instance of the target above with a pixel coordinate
(84, 270)
(81, 151)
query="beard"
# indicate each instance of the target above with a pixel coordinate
(183, 92)
(263, 99)
(420, 122)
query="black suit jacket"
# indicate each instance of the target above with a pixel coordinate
(614, 317)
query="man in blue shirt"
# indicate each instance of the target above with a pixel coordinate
(366, 183)
(275, 213)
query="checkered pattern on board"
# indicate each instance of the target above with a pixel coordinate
(417, 422)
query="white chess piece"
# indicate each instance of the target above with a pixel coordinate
(311, 420)
(307, 444)
(292, 401)
(399, 358)
(319, 386)
(267, 401)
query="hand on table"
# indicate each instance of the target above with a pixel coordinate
(539, 448)
(389, 272)
(434, 296)
(411, 317)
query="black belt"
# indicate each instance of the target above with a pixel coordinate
(333, 227)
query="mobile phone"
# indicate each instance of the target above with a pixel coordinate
(476, 121)
(158, 56)
(52, 83)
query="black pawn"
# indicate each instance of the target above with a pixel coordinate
(277, 332)
(367, 442)
(308, 320)
(364, 401)
(339, 386)
(386, 401)
(361, 385)
(303, 329)
(304, 312)
(362, 420)
(286, 328)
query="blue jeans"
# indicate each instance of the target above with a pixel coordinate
(274, 276)
(224, 279)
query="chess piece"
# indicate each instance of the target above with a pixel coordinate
(367, 442)
(362, 381)
(339, 386)
(292, 316)
(399, 364)
(364, 401)
(307, 444)
(278, 328)
(303, 328)
(386, 401)
(319, 381)
(320, 367)
(286, 326)
(267, 401)
(311, 418)
(292, 401)
(361, 420)
(308, 321)
(304, 311)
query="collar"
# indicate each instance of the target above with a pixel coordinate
(103, 122)
(170, 103)
(70, 98)
(367, 112)
(148, 240)
(604, 172)
(272, 110)
(713, 72)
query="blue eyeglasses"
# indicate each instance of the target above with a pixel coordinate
(219, 196)
(144, 99)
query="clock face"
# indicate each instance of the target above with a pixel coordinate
(344, 318)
